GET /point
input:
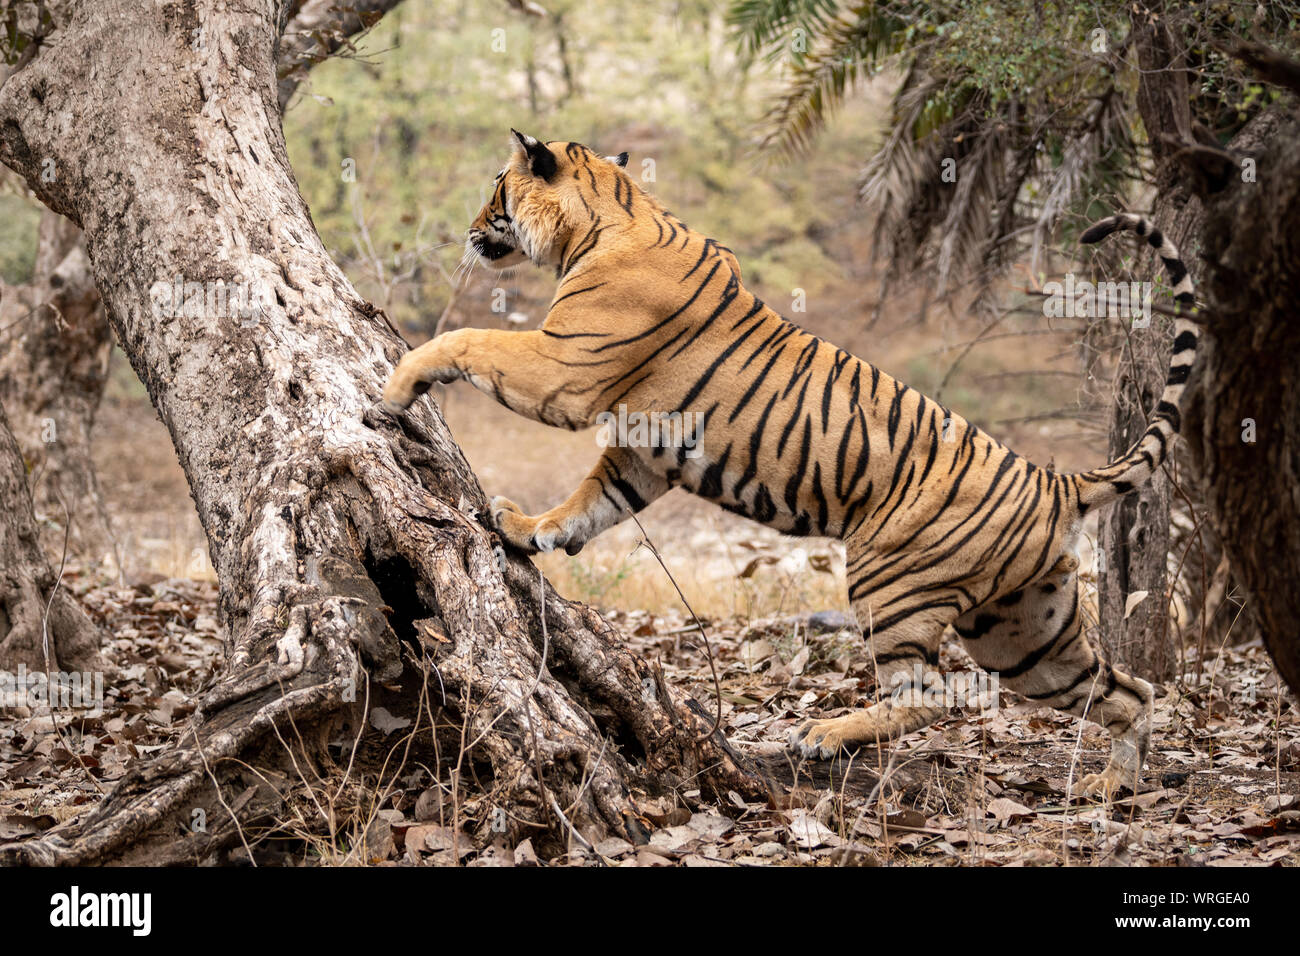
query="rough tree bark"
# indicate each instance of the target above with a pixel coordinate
(42, 627)
(1190, 169)
(56, 342)
(1134, 535)
(1244, 421)
(54, 353)
(340, 536)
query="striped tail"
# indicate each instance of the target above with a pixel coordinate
(1103, 485)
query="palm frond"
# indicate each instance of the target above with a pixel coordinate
(759, 24)
(893, 176)
(1086, 156)
(847, 48)
(970, 209)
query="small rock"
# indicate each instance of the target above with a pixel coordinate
(428, 806)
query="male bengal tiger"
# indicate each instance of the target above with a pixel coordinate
(942, 525)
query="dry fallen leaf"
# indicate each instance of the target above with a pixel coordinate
(385, 722)
(1003, 809)
(1132, 601)
(808, 832)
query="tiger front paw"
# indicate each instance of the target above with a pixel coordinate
(531, 534)
(412, 378)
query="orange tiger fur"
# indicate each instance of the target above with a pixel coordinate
(943, 525)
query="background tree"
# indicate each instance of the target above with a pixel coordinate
(42, 627)
(54, 351)
(54, 354)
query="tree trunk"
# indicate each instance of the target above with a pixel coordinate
(42, 627)
(1135, 533)
(53, 368)
(340, 536)
(54, 363)
(1245, 420)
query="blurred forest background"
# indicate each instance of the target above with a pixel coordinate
(395, 145)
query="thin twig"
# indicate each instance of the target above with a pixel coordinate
(708, 648)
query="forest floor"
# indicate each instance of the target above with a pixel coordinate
(989, 787)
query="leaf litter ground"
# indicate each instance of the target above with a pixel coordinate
(992, 788)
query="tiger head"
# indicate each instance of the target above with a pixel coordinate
(540, 198)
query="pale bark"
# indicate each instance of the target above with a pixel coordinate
(334, 530)
(56, 343)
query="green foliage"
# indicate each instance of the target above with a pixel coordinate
(761, 24)
(1028, 104)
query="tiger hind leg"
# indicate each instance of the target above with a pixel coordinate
(620, 485)
(1033, 640)
(904, 654)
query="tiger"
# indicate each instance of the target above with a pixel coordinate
(943, 526)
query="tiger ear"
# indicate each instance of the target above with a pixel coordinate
(620, 160)
(541, 161)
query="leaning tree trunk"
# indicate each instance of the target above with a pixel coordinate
(42, 627)
(55, 349)
(340, 536)
(53, 368)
